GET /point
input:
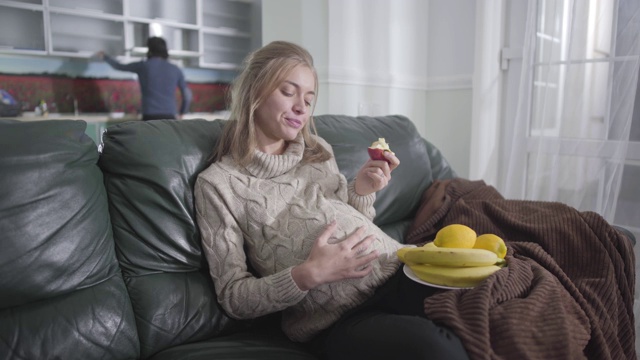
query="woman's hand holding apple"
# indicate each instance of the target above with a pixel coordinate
(375, 174)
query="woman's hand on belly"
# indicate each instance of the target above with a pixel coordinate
(329, 262)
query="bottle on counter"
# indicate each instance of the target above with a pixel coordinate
(42, 108)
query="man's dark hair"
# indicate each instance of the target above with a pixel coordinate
(157, 47)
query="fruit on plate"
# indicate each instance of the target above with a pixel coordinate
(453, 276)
(455, 258)
(455, 236)
(429, 245)
(377, 149)
(452, 257)
(491, 242)
(402, 251)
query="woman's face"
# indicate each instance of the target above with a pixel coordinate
(285, 111)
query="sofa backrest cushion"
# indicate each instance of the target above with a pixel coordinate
(61, 291)
(420, 161)
(150, 169)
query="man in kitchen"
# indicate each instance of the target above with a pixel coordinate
(158, 80)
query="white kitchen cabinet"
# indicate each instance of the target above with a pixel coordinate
(97, 34)
(22, 27)
(226, 33)
(181, 13)
(226, 14)
(182, 42)
(224, 51)
(201, 33)
(99, 7)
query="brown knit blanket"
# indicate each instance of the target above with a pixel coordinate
(567, 292)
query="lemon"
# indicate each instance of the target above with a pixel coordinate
(491, 242)
(455, 236)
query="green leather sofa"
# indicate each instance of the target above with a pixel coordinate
(100, 252)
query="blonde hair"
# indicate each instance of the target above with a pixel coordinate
(263, 71)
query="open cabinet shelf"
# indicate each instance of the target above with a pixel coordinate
(214, 34)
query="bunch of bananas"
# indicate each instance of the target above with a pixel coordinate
(456, 257)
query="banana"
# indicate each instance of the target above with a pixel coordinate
(429, 245)
(454, 257)
(453, 276)
(400, 252)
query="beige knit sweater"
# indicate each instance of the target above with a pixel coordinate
(269, 214)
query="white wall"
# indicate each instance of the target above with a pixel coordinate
(451, 39)
(378, 57)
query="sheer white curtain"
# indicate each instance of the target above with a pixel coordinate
(571, 140)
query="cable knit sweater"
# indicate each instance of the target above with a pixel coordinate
(269, 214)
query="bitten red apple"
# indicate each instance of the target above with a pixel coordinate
(377, 149)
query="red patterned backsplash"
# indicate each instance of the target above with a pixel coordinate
(99, 95)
